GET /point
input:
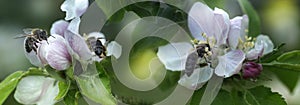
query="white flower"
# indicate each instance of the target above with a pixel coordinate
(74, 8)
(38, 90)
(213, 27)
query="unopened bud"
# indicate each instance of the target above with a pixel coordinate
(251, 70)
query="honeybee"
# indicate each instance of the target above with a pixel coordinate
(202, 50)
(33, 36)
(96, 46)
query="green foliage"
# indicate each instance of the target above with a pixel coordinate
(214, 3)
(91, 86)
(71, 97)
(254, 21)
(9, 84)
(256, 96)
(286, 65)
(63, 89)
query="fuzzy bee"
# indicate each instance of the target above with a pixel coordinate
(96, 46)
(202, 51)
(33, 36)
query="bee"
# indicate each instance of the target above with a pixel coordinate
(33, 36)
(202, 50)
(96, 46)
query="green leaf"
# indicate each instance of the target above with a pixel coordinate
(273, 55)
(92, 86)
(290, 57)
(214, 3)
(63, 89)
(254, 21)
(9, 84)
(263, 96)
(58, 75)
(286, 68)
(71, 97)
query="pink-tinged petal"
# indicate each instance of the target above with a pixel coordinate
(197, 79)
(58, 56)
(201, 20)
(115, 49)
(256, 52)
(59, 27)
(174, 55)
(42, 51)
(266, 42)
(98, 35)
(77, 45)
(230, 63)
(74, 25)
(74, 8)
(244, 27)
(222, 26)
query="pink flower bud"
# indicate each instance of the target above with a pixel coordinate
(251, 70)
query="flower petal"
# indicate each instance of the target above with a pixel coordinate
(197, 79)
(74, 25)
(74, 8)
(77, 46)
(238, 26)
(174, 55)
(59, 27)
(33, 89)
(230, 63)
(48, 96)
(201, 20)
(256, 52)
(115, 49)
(222, 25)
(266, 42)
(58, 56)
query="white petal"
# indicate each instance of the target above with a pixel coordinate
(42, 52)
(238, 27)
(36, 90)
(77, 46)
(230, 63)
(48, 96)
(174, 55)
(59, 27)
(97, 35)
(201, 20)
(256, 52)
(222, 25)
(58, 56)
(266, 42)
(197, 79)
(74, 25)
(74, 8)
(29, 89)
(115, 49)
(235, 32)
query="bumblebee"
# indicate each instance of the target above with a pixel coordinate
(33, 36)
(195, 58)
(96, 46)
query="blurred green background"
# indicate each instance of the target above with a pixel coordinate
(280, 20)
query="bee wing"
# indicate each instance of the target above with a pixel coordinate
(191, 63)
(20, 36)
(28, 30)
